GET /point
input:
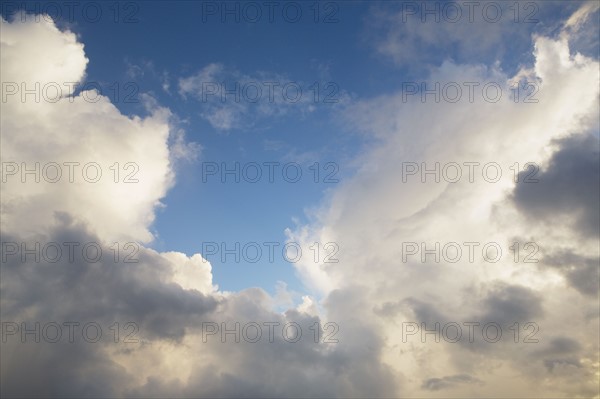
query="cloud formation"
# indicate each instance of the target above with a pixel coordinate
(375, 214)
(546, 310)
(570, 186)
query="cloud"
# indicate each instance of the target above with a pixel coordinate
(568, 187)
(436, 384)
(107, 149)
(374, 213)
(581, 17)
(583, 29)
(229, 99)
(580, 271)
(417, 34)
(147, 293)
(25, 44)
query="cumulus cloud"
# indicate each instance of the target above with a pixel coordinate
(115, 168)
(376, 212)
(569, 186)
(581, 272)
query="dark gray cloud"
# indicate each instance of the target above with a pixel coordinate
(498, 307)
(560, 351)
(436, 384)
(426, 312)
(581, 272)
(284, 369)
(167, 315)
(59, 370)
(559, 346)
(503, 304)
(506, 304)
(569, 186)
(104, 290)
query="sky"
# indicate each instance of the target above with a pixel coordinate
(300, 199)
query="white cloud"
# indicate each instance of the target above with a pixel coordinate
(229, 99)
(85, 128)
(580, 16)
(373, 213)
(419, 35)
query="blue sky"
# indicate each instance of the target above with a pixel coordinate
(167, 41)
(321, 52)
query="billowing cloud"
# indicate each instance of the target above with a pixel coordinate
(570, 186)
(403, 235)
(114, 168)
